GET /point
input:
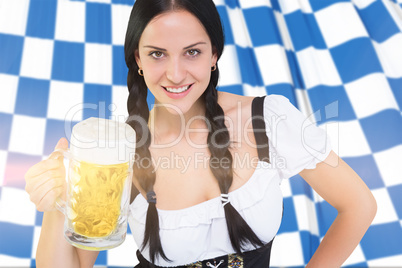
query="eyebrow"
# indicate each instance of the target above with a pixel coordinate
(162, 49)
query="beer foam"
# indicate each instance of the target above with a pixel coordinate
(102, 141)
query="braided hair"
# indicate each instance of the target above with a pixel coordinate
(218, 139)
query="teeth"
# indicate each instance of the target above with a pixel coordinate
(177, 90)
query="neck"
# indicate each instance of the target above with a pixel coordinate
(167, 126)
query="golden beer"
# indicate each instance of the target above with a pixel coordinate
(98, 183)
(95, 193)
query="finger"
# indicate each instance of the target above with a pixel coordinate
(62, 144)
(40, 192)
(42, 167)
(51, 163)
(48, 202)
(33, 182)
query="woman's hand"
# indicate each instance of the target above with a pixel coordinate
(45, 181)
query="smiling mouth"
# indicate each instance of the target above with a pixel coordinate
(177, 90)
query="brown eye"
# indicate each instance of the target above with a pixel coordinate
(193, 52)
(157, 54)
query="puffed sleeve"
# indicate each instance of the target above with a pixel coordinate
(295, 143)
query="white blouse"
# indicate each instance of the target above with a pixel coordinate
(199, 232)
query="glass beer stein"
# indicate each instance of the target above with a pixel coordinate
(98, 184)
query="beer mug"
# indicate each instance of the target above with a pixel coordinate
(98, 184)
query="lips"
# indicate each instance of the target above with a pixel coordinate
(179, 95)
(177, 90)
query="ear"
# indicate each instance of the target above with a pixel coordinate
(214, 56)
(137, 58)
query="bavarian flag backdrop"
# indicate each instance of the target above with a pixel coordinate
(338, 60)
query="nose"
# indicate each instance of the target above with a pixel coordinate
(176, 71)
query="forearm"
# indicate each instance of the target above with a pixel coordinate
(53, 249)
(342, 238)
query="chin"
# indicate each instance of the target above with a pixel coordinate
(177, 110)
(182, 106)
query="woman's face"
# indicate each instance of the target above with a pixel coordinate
(175, 54)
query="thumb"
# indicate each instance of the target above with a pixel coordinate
(62, 144)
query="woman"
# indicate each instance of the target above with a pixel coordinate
(216, 212)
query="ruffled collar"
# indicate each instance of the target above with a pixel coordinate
(244, 197)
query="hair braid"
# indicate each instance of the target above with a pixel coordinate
(138, 119)
(218, 143)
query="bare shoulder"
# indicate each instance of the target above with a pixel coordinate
(233, 103)
(238, 117)
(237, 110)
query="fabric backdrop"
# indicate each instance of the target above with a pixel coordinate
(337, 60)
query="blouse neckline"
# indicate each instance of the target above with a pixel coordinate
(260, 165)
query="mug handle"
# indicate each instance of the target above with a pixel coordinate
(60, 203)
